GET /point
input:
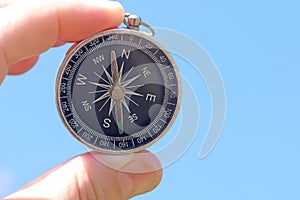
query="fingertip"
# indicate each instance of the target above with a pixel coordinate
(92, 17)
(23, 66)
(118, 11)
(134, 173)
(137, 173)
(34, 28)
(136, 184)
(141, 175)
(137, 163)
(148, 162)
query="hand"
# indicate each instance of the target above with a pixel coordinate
(30, 27)
(96, 176)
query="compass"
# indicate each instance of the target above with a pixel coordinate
(118, 91)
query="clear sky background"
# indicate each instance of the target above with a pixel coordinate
(255, 45)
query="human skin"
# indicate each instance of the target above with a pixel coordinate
(31, 27)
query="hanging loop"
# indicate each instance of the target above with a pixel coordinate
(134, 22)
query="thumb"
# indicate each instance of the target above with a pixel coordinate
(96, 176)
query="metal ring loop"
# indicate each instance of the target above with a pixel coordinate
(150, 29)
(137, 23)
(124, 20)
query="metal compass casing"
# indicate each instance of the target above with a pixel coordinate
(118, 91)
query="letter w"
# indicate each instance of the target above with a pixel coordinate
(98, 59)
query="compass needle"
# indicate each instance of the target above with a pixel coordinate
(117, 92)
(113, 93)
(114, 68)
(119, 115)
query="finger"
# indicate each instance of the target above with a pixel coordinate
(86, 177)
(4, 3)
(23, 66)
(35, 26)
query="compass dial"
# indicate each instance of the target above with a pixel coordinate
(118, 91)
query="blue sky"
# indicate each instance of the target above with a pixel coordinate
(255, 45)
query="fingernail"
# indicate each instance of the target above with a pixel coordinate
(135, 166)
(116, 162)
(142, 162)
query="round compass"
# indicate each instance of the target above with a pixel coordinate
(118, 91)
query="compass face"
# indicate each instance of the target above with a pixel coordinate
(118, 91)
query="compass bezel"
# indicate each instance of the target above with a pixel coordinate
(64, 65)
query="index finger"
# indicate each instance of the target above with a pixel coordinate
(34, 26)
